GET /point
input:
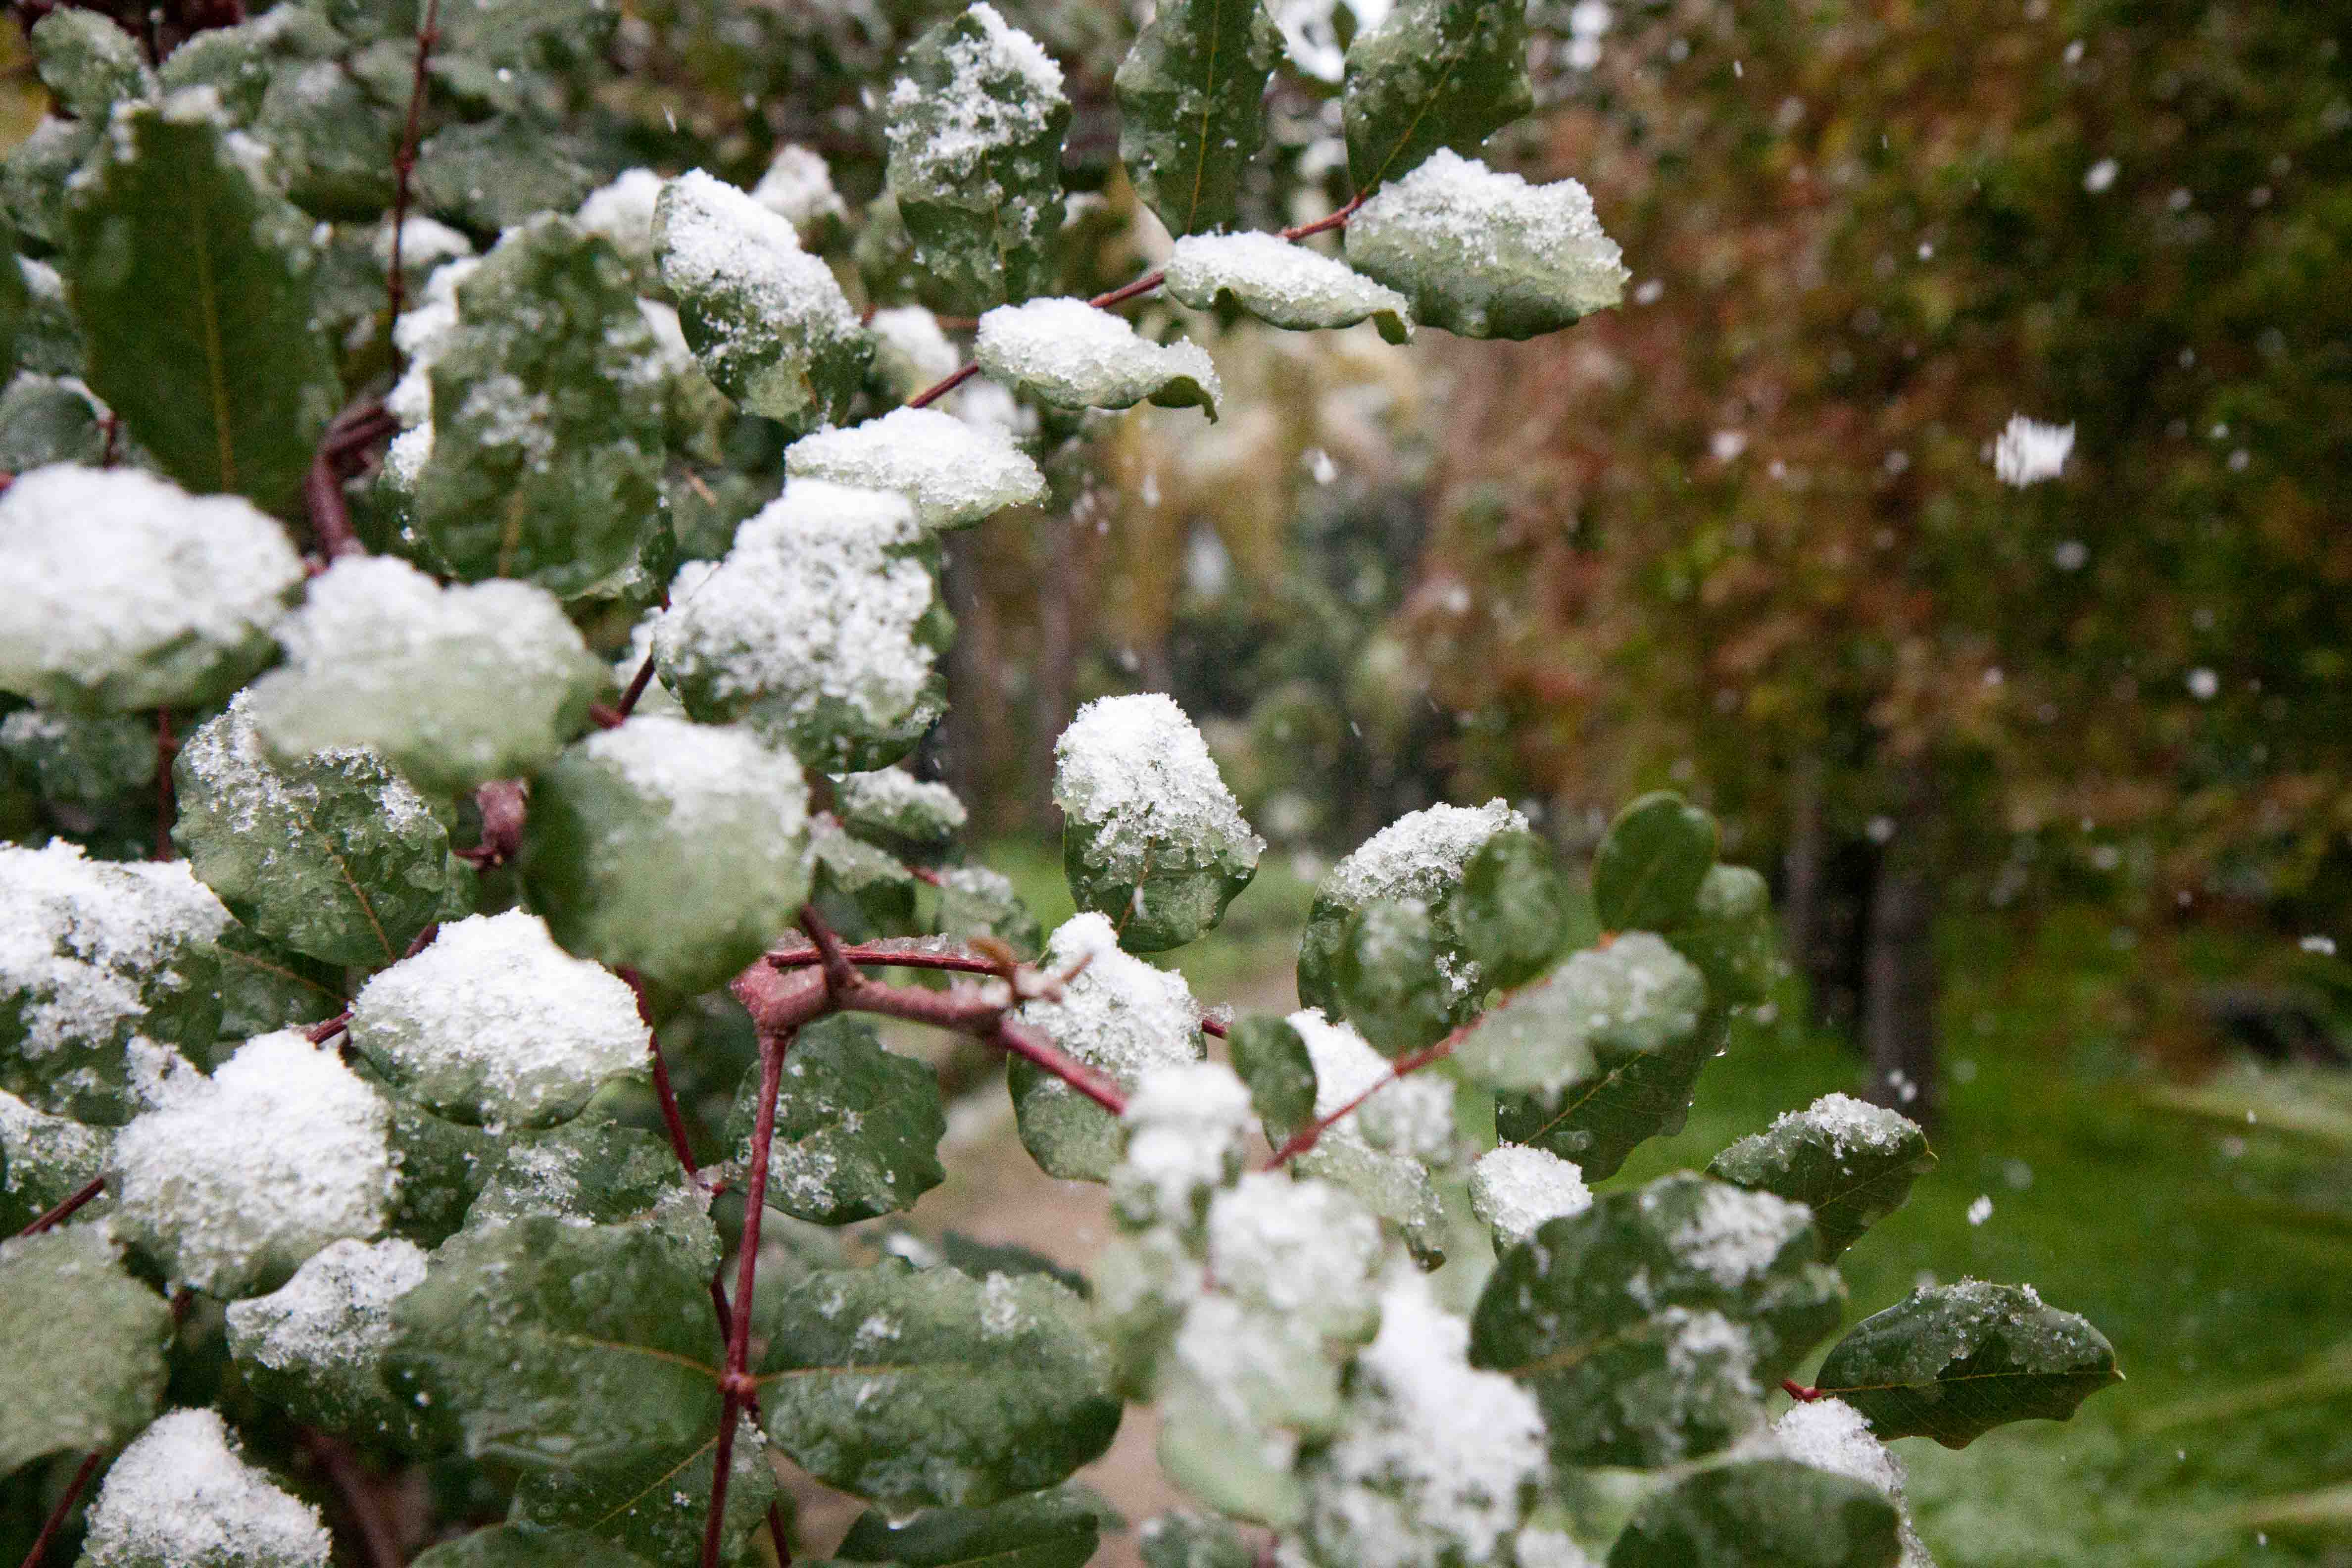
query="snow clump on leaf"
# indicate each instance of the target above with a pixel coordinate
(956, 473)
(125, 591)
(1514, 1189)
(495, 1023)
(1067, 353)
(181, 1498)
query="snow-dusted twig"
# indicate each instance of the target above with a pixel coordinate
(1306, 1137)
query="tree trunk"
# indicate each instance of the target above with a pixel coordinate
(1057, 658)
(1803, 869)
(1898, 1014)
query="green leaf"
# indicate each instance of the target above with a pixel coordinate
(238, 62)
(15, 303)
(976, 901)
(546, 457)
(497, 173)
(531, 39)
(1243, 1383)
(88, 64)
(264, 987)
(678, 850)
(191, 285)
(44, 1160)
(332, 855)
(1150, 836)
(129, 965)
(315, 1347)
(865, 891)
(527, 1546)
(1065, 353)
(1513, 908)
(46, 420)
(81, 1347)
(86, 759)
(1192, 107)
(974, 128)
(1283, 285)
(1953, 1361)
(1606, 1005)
(934, 1388)
(1731, 937)
(442, 1166)
(892, 803)
(1272, 1058)
(1391, 980)
(857, 1127)
(1647, 872)
(657, 1513)
(1850, 1163)
(1186, 1540)
(1763, 1513)
(1649, 1326)
(1487, 254)
(982, 1259)
(454, 686)
(1434, 73)
(1046, 1529)
(1422, 855)
(587, 1172)
(327, 131)
(767, 320)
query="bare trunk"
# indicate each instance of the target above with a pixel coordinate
(1898, 1015)
(1803, 869)
(1057, 664)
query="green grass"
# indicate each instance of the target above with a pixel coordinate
(2217, 1259)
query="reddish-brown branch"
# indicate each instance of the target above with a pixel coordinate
(347, 434)
(64, 1210)
(735, 1387)
(876, 957)
(932, 394)
(403, 162)
(1798, 1391)
(1125, 291)
(841, 977)
(326, 1029)
(613, 717)
(167, 747)
(57, 1520)
(672, 1117)
(380, 1545)
(1327, 222)
(1306, 1137)
(503, 804)
(1216, 1029)
(1022, 1041)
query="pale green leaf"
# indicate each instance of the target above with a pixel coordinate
(88, 64)
(496, 174)
(1601, 1007)
(44, 1160)
(527, 1546)
(81, 1347)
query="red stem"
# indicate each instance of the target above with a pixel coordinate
(64, 1211)
(735, 1387)
(888, 957)
(672, 1117)
(343, 1473)
(629, 699)
(931, 394)
(56, 1521)
(404, 162)
(326, 1029)
(1020, 1040)
(1798, 1391)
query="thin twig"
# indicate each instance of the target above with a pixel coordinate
(841, 977)
(64, 1210)
(1798, 1391)
(736, 1386)
(381, 1546)
(167, 746)
(57, 1520)
(672, 1117)
(932, 394)
(1029, 1045)
(621, 711)
(873, 957)
(326, 1029)
(404, 162)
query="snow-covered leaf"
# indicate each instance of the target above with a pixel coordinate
(238, 1178)
(103, 967)
(820, 630)
(315, 1346)
(490, 175)
(1044, 1530)
(1392, 977)
(43, 1160)
(1119, 1015)
(548, 443)
(87, 760)
(894, 802)
(1283, 285)
(1189, 1540)
(586, 1171)
(1650, 1324)
(1272, 1059)
(43, 419)
(192, 284)
(767, 320)
(1192, 107)
(977, 901)
(1424, 856)
(933, 1388)
(955, 472)
(1953, 1362)
(1513, 908)
(81, 1347)
(677, 848)
(455, 686)
(1376, 1155)
(1487, 254)
(332, 855)
(493, 1023)
(182, 1495)
(1433, 74)
(126, 593)
(1850, 1163)
(1150, 835)
(1762, 1513)
(1514, 1189)
(974, 128)
(858, 1128)
(1603, 1007)
(1064, 352)
(88, 64)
